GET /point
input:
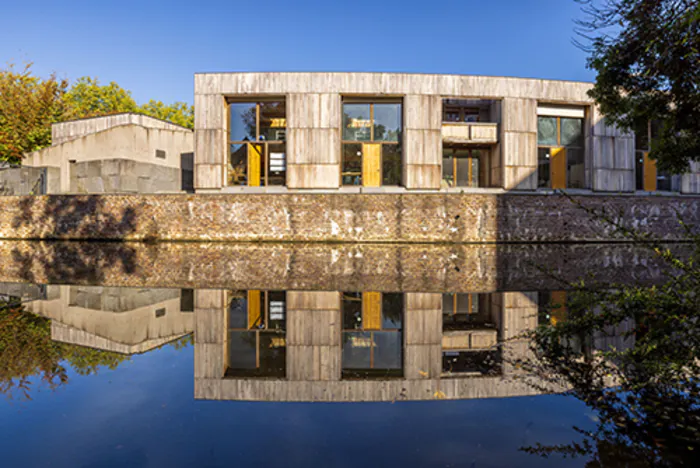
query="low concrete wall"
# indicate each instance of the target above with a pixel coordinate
(122, 176)
(450, 218)
(29, 180)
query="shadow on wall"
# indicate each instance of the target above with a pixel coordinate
(81, 217)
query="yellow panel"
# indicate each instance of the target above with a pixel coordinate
(254, 309)
(649, 173)
(254, 163)
(558, 313)
(371, 311)
(371, 164)
(558, 167)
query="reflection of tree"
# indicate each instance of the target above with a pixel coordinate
(27, 352)
(631, 353)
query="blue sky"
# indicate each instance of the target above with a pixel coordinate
(154, 48)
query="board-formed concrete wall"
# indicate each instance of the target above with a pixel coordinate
(92, 158)
(70, 130)
(309, 217)
(29, 180)
(314, 109)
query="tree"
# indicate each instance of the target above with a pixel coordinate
(28, 107)
(179, 112)
(87, 98)
(647, 57)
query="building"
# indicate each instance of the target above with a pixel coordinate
(115, 153)
(389, 132)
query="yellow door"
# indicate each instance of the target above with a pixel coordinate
(371, 311)
(254, 164)
(559, 307)
(371, 164)
(649, 173)
(558, 167)
(254, 309)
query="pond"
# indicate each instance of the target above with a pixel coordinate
(290, 355)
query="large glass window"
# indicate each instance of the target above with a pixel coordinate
(256, 333)
(647, 176)
(371, 143)
(561, 152)
(257, 148)
(462, 167)
(372, 334)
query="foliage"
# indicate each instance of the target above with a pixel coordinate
(178, 113)
(27, 351)
(631, 353)
(87, 98)
(28, 107)
(647, 57)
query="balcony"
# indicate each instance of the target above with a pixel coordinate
(470, 132)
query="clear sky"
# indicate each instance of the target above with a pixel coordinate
(154, 48)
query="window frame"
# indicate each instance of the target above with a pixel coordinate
(567, 147)
(257, 101)
(371, 102)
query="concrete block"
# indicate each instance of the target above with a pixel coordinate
(422, 176)
(313, 176)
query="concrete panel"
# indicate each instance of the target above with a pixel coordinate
(208, 176)
(422, 146)
(422, 112)
(311, 176)
(313, 146)
(210, 112)
(519, 149)
(210, 147)
(314, 111)
(519, 115)
(422, 176)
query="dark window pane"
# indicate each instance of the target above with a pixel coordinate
(356, 350)
(238, 165)
(241, 350)
(387, 122)
(242, 121)
(448, 304)
(272, 354)
(448, 170)
(356, 122)
(187, 300)
(547, 131)
(387, 350)
(463, 164)
(277, 170)
(543, 173)
(392, 311)
(641, 138)
(391, 164)
(639, 170)
(571, 132)
(273, 121)
(575, 168)
(663, 181)
(238, 309)
(352, 164)
(352, 310)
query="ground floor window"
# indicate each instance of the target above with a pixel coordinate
(560, 168)
(372, 334)
(648, 178)
(371, 164)
(257, 164)
(463, 167)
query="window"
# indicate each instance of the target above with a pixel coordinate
(647, 176)
(257, 148)
(256, 333)
(560, 155)
(459, 110)
(372, 334)
(160, 313)
(187, 300)
(160, 154)
(371, 143)
(463, 167)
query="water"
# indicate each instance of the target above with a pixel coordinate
(218, 355)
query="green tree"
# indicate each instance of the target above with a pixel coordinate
(179, 112)
(88, 98)
(28, 107)
(647, 57)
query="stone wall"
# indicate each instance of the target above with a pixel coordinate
(122, 176)
(415, 218)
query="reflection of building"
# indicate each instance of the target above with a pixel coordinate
(333, 346)
(122, 320)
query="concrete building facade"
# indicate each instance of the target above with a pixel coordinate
(388, 132)
(120, 153)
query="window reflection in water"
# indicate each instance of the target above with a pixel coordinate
(256, 333)
(372, 334)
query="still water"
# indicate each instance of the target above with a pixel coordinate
(211, 355)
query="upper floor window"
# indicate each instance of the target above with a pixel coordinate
(460, 110)
(371, 143)
(257, 150)
(560, 141)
